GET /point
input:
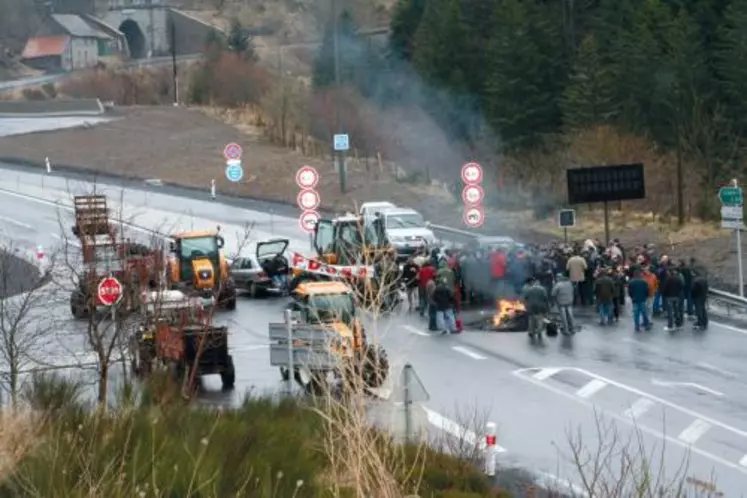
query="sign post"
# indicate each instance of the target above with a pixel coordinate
(472, 195)
(341, 143)
(308, 199)
(732, 217)
(566, 219)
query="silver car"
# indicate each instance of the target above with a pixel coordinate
(254, 272)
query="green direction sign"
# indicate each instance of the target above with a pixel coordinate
(730, 196)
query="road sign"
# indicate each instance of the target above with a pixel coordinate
(342, 142)
(409, 387)
(110, 291)
(474, 216)
(730, 196)
(39, 252)
(307, 177)
(472, 173)
(732, 212)
(472, 195)
(567, 218)
(232, 151)
(234, 171)
(308, 199)
(308, 220)
(732, 224)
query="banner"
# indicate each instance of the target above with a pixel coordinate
(300, 262)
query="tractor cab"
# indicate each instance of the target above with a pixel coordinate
(197, 258)
(350, 240)
(328, 303)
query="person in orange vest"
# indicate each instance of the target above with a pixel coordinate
(653, 286)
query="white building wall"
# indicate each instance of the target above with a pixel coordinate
(84, 52)
(152, 22)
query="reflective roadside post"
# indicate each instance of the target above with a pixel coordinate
(212, 189)
(291, 366)
(48, 165)
(491, 453)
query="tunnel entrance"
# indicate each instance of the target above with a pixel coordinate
(135, 38)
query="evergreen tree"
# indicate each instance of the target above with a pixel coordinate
(589, 97)
(239, 42)
(403, 26)
(351, 53)
(731, 63)
(525, 75)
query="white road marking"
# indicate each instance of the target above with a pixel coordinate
(591, 388)
(730, 327)
(687, 384)
(546, 373)
(652, 432)
(252, 347)
(714, 368)
(743, 461)
(416, 331)
(694, 431)
(468, 352)
(555, 483)
(16, 222)
(454, 429)
(639, 408)
(66, 239)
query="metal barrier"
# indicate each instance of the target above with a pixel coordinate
(732, 302)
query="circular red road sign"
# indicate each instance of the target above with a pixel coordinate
(110, 291)
(308, 220)
(232, 151)
(307, 177)
(472, 195)
(308, 199)
(474, 216)
(471, 173)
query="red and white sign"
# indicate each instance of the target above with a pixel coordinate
(472, 195)
(301, 262)
(474, 216)
(471, 173)
(308, 220)
(308, 199)
(233, 152)
(110, 291)
(39, 253)
(307, 177)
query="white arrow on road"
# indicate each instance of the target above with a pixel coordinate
(686, 384)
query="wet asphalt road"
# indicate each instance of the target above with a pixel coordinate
(683, 396)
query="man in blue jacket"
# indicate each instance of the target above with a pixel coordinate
(638, 291)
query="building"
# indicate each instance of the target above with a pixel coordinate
(66, 42)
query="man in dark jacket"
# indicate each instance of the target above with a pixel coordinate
(605, 293)
(410, 278)
(671, 292)
(443, 300)
(700, 297)
(687, 278)
(537, 303)
(638, 290)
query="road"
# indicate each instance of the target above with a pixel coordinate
(682, 397)
(9, 86)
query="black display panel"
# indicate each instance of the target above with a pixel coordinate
(606, 183)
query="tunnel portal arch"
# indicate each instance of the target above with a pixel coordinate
(135, 38)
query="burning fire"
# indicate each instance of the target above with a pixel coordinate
(507, 310)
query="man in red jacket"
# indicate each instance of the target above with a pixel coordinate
(498, 263)
(426, 273)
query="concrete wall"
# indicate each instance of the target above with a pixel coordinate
(191, 33)
(152, 22)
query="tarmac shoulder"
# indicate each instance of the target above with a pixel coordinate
(16, 274)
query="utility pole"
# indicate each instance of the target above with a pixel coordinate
(339, 155)
(175, 77)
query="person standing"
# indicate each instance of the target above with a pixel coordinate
(443, 300)
(562, 294)
(639, 292)
(604, 291)
(426, 273)
(430, 288)
(537, 304)
(410, 279)
(687, 278)
(700, 299)
(576, 267)
(671, 292)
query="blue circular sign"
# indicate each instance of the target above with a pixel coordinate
(234, 172)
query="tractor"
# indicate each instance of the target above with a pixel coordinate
(176, 334)
(332, 305)
(197, 266)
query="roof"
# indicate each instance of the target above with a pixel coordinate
(311, 288)
(45, 46)
(194, 234)
(99, 24)
(77, 26)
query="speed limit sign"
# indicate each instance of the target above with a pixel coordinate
(472, 173)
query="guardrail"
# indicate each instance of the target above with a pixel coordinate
(731, 302)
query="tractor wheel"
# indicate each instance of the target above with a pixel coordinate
(78, 304)
(228, 298)
(375, 367)
(228, 375)
(284, 374)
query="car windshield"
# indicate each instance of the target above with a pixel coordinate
(199, 247)
(406, 220)
(328, 308)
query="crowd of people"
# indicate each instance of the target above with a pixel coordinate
(558, 277)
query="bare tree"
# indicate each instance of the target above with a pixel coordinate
(24, 324)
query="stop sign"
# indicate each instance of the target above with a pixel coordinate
(110, 291)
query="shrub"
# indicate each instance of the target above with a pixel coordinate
(228, 80)
(49, 90)
(151, 86)
(33, 94)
